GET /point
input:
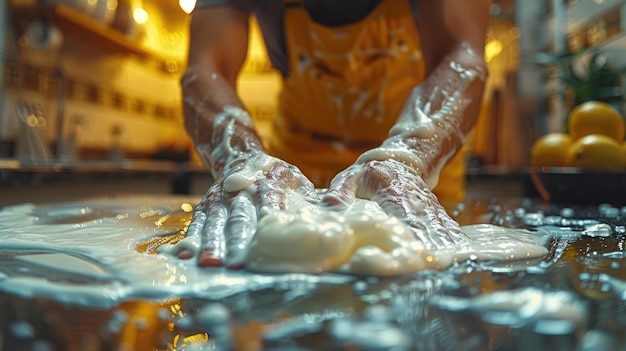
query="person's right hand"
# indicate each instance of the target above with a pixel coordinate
(401, 192)
(226, 219)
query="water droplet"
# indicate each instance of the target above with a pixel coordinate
(41, 345)
(555, 327)
(164, 314)
(598, 230)
(567, 212)
(22, 330)
(610, 212)
(293, 328)
(373, 280)
(116, 322)
(533, 219)
(377, 313)
(359, 287)
(184, 322)
(341, 329)
(214, 314)
(586, 222)
(596, 340)
(552, 220)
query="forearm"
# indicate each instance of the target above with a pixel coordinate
(215, 119)
(437, 117)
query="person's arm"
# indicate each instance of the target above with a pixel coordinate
(453, 34)
(442, 110)
(246, 178)
(434, 124)
(217, 50)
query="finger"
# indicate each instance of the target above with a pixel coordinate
(419, 215)
(408, 209)
(342, 191)
(441, 229)
(454, 228)
(270, 198)
(303, 185)
(240, 227)
(208, 225)
(212, 245)
(186, 248)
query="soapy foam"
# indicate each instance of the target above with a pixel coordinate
(365, 241)
(69, 254)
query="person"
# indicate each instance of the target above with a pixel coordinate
(378, 95)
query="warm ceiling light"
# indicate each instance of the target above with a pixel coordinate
(140, 15)
(187, 5)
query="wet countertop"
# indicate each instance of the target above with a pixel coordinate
(572, 299)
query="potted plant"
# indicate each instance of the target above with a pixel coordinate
(586, 75)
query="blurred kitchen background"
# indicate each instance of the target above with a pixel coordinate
(90, 100)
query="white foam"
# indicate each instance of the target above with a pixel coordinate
(365, 241)
(101, 249)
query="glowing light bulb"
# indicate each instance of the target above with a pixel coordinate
(187, 5)
(140, 15)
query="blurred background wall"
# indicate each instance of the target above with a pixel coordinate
(99, 79)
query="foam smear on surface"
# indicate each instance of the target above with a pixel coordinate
(365, 241)
(85, 252)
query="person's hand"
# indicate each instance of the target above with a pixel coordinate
(401, 192)
(225, 220)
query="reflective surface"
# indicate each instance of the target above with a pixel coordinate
(573, 299)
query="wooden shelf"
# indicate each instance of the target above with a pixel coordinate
(580, 13)
(590, 24)
(81, 28)
(72, 21)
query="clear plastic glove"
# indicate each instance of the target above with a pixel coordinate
(400, 192)
(225, 221)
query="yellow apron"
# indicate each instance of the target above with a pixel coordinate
(346, 88)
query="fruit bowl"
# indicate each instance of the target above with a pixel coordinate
(578, 186)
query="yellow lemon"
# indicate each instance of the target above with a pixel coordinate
(596, 152)
(595, 117)
(550, 150)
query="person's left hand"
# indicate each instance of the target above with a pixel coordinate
(225, 220)
(400, 192)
